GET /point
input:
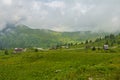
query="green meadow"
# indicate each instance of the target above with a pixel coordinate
(61, 64)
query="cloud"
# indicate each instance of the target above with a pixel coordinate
(7, 2)
(55, 4)
(62, 15)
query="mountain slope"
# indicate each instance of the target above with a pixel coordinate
(22, 36)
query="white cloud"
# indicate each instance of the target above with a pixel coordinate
(75, 14)
(7, 2)
(2, 25)
(82, 8)
(61, 28)
(36, 5)
(55, 4)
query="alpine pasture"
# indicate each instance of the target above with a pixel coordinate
(61, 64)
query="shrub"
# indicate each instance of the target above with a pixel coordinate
(6, 52)
(36, 50)
(93, 48)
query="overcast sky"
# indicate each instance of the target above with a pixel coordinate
(62, 15)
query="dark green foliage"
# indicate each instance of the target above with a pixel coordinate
(107, 42)
(82, 43)
(93, 48)
(6, 52)
(112, 36)
(86, 42)
(90, 41)
(118, 42)
(112, 43)
(98, 39)
(36, 50)
(107, 37)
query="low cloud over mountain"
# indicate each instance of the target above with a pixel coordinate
(62, 15)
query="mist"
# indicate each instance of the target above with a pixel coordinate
(62, 15)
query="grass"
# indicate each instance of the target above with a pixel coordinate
(61, 65)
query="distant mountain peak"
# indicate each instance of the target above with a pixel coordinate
(22, 26)
(8, 27)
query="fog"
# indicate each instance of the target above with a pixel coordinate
(62, 15)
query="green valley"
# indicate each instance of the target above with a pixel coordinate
(22, 36)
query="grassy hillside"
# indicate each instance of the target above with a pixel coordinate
(63, 64)
(22, 36)
(75, 63)
(113, 41)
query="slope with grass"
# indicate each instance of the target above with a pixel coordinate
(62, 64)
(22, 36)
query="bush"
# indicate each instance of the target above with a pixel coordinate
(93, 48)
(6, 52)
(36, 50)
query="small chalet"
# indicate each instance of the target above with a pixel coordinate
(105, 47)
(19, 50)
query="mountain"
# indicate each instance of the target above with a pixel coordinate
(22, 36)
